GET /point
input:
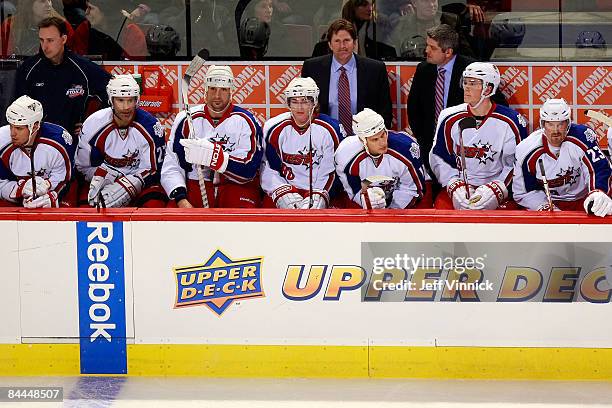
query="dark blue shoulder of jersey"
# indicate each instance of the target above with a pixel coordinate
(516, 118)
(586, 138)
(157, 133)
(407, 146)
(333, 123)
(61, 137)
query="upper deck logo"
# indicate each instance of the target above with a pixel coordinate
(218, 282)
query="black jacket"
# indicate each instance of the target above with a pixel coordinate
(372, 84)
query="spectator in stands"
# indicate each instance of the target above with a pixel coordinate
(38, 158)
(61, 80)
(348, 82)
(163, 41)
(253, 38)
(590, 45)
(121, 151)
(19, 33)
(224, 142)
(567, 155)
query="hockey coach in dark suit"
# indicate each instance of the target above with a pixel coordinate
(343, 76)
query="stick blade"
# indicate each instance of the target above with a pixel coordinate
(196, 63)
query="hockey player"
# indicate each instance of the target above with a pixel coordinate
(121, 150)
(36, 158)
(379, 168)
(226, 141)
(576, 171)
(486, 146)
(298, 169)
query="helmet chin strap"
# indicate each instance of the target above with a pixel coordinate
(365, 144)
(33, 133)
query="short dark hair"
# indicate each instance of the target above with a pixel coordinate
(341, 24)
(54, 22)
(445, 36)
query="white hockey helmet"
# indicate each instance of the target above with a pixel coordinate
(122, 86)
(24, 111)
(367, 123)
(555, 110)
(485, 71)
(219, 76)
(299, 86)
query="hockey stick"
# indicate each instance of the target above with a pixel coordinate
(33, 173)
(468, 122)
(372, 181)
(546, 188)
(606, 120)
(194, 66)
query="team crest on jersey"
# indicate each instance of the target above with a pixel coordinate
(302, 158)
(67, 138)
(522, 121)
(415, 151)
(218, 282)
(591, 136)
(158, 129)
(130, 159)
(75, 91)
(483, 152)
(224, 141)
(565, 177)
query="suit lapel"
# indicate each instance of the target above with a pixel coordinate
(324, 91)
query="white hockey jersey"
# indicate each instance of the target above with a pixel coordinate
(237, 131)
(401, 162)
(286, 153)
(53, 160)
(580, 168)
(138, 149)
(489, 149)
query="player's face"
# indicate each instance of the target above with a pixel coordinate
(472, 89)
(377, 144)
(20, 135)
(124, 107)
(556, 132)
(301, 109)
(364, 11)
(435, 54)
(52, 43)
(218, 98)
(342, 46)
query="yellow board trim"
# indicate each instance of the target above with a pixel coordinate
(323, 361)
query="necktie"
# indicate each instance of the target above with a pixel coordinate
(344, 102)
(440, 91)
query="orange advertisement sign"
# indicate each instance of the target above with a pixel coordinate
(552, 82)
(259, 113)
(280, 76)
(393, 77)
(515, 84)
(594, 85)
(599, 128)
(405, 82)
(250, 84)
(119, 69)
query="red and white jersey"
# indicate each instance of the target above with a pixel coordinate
(136, 150)
(401, 162)
(489, 148)
(238, 133)
(53, 159)
(286, 153)
(578, 167)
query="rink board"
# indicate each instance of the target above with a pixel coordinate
(271, 328)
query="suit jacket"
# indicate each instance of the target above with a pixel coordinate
(372, 84)
(421, 100)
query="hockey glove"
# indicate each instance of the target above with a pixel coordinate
(205, 153)
(320, 198)
(489, 196)
(602, 203)
(42, 187)
(457, 190)
(286, 196)
(122, 192)
(48, 200)
(375, 198)
(103, 176)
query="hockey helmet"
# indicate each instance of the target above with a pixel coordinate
(24, 111)
(254, 33)
(487, 72)
(590, 39)
(122, 86)
(299, 86)
(367, 123)
(219, 76)
(163, 40)
(555, 110)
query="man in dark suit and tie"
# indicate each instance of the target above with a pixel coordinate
(437, 85)
(349, 83)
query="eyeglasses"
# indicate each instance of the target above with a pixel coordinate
(296, 102)
(472, 83)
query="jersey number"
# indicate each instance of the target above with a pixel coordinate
(596, 154)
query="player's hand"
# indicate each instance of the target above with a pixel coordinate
(184, 203)
(319, 201)
(103, 176)
(122, 191)
(458, 192)
(375, 198)
(286, 196)
(205, 153)
(42, 187)
(489, 196)
(48, 200)
(601, 203)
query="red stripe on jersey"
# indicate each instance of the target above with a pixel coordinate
(151, 143)
(509, 177)
(589, 166)
(252, 136)
(330, 129)
(577, 142)
(6, 155)
(510, 122)
(62, 150)
(450, 121)
(100, 138)
(411, 169)
(330, 181)
(354, 167)
(532, 159)
(273, 139)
